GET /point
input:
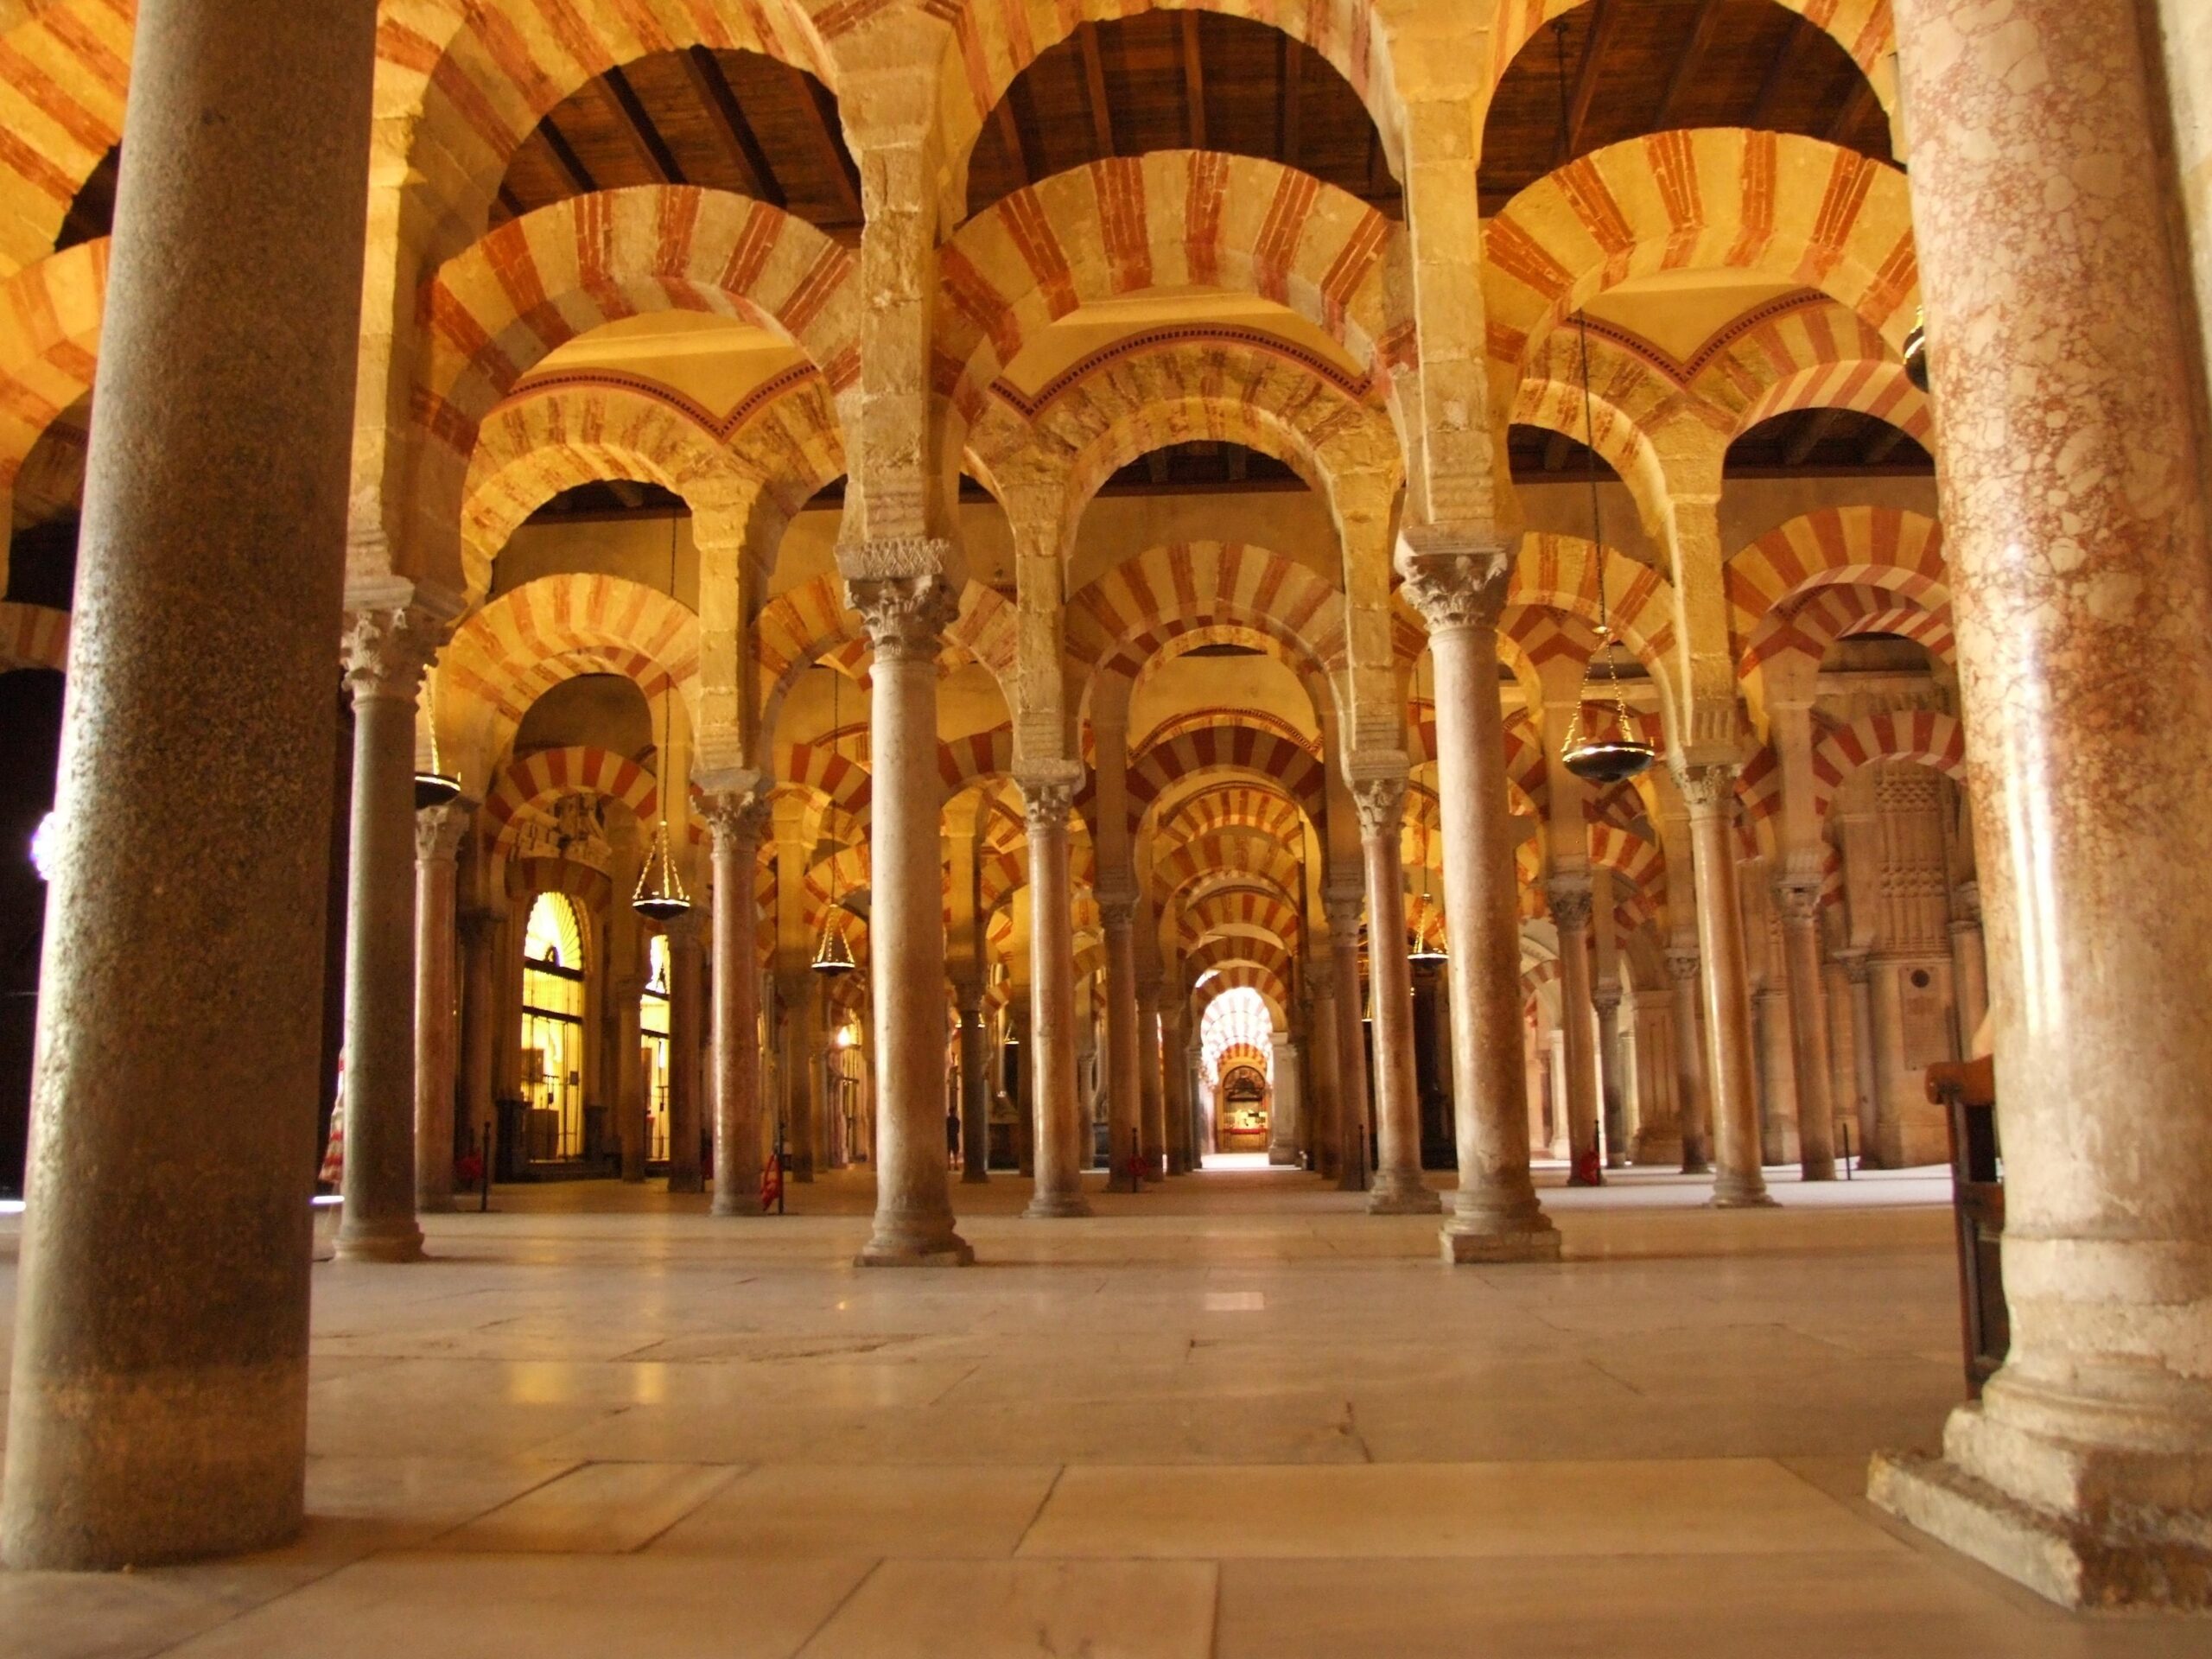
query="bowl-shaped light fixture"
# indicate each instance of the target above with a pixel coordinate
(435, 789)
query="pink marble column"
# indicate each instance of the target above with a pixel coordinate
(480, 1027)
(1352, 1172)
(386, 653)
(1569, 898)
(975, 1087)
(1380, 795)
(1800, 902)
(1322, 1076)
(738, 817)
(438, 835)
(1689, 1063)
(2066, 383)
(1151, 1083)
(906, 618)
(1737, 1180)
(1494, 1214)
(1048, 796)
(1124, 1093)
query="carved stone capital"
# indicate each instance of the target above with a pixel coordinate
(1682, 965)
(906, 616)
(1343, 910)
(738, 817)
(1117, 906)
(1048, 791)
(896, 558)
(1605, 997)
(1857, 966)
(1380, 799)
(1798, 899)
(1966, 904)
(1708, 788)
(1320, 977)
(439, 830)
(387, 649)
(1454, 580)
(1569, 897)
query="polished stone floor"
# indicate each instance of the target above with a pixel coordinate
(1233, 1417)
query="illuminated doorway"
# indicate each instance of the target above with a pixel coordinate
(553, 1030)
(652, 1031)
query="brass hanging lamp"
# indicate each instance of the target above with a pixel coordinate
(1916, 352)
(660, 896)
(833, 956)
(1607, 750)
(437, 786)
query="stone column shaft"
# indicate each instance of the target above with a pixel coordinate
(1048, 797)
(1801, 935)
(1352, 1171)
(1969, 965)
(738, 817)
(2067, 375)
(1569, 898)
(1689, 1063)
(1124, 1091)
(974, 1090)
(906, 617)
(158, 1408)
(1152, 1085)
(438, 835)
(1737, 1180)
(1398, 1189)
(386, 653)
(1494, 1214)
(480, 1023)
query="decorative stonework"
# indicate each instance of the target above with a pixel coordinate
(1048, 792)
(387, 650)
(1343, 910)
(1380, 802)
(895, 558)
(1116, 908)
(906, 616)
(738, 817)
(1708, 788)
(1454, 581)
(1682, 966)
(1569, 897)
(1798, 899)
(439, 830)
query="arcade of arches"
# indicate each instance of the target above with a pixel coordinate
(1109, 515)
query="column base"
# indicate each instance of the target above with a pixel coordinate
(1476, 1244)
(1058, 1206)
(1696, 1163)
(383, 1240)
(1399, 1192)
(950, 1251)
(2072, 1561)
(735, 1211)
(1819, 1171)
(1282, 1157)
(1732, 1192)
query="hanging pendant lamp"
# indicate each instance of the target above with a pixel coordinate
(1916, 352)
(660, 896)
(1607, 750)
(833, 956)
(437, 786)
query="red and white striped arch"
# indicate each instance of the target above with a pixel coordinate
(1856, 546)
(1282, 765)
(1920, 735)
(547, 775)
(33, 636)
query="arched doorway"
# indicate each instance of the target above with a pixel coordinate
(553, 976)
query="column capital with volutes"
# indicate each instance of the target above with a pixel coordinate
(1048, 791)
(1377, 780)
(1569, 898)
(1456, 579)
(388, 648)
(1798, 899)
(1706, 787)
(439, 830)
(905, 613)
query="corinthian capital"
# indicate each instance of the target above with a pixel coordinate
(1454, 579)
(1798, 897)
(1569, 899)
(1707, 788)
(1682, 963)
(906, 616)
(738, 815)
(439, 831)
(1117, 906)
(387, 648)
(1378, 791)
(1048, 791)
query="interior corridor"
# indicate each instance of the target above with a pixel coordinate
(1234, 1417)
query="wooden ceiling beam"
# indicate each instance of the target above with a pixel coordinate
(1693, 45)
(740, 145)
(1094, 88)
(581, 182)
(1603, 16)
(636, 124)
(1194, 81)
(1291, 72)
(1779, 76)
(844, 177)
(1812, 432)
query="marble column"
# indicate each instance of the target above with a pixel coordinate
(1352, 1173)
(1859, 980)
(158, 1408)
(386, 655)
(438, 835)
(685, 970)
(1182, 1153)
(1048, 796)
(1322, 1078)
(1885, 1031)
(1282, 1109)
(1151, 1083)
(975, 1087)
(480, 1016)
(1969, 962)
(1773, 1041)
(738, 817)
(1606, 1004)
(1569, 899)
(906, 618)
(1800, 903)
(1124, 1092)
(1398, 1190)
(1495, 1215)
(1689, 1063)
(800, 994)
(2066, 382)
(1738, 1181)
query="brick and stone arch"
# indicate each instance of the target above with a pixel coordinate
(592, 890)
(1243, 976)
(1920, 735)
(33, 636)
(1808, 624)
(494, 310)
(534, 779)
(1887, 548)
(512, 651)
(1168, 218)
(1809, 352)
(1864, 29)
(65, 67)
(1226, 910)
(1793, 209)
(1635, 390)
(49, 343)
(1233, 749)
(1229, 858)
(828, 772)
(976, 758)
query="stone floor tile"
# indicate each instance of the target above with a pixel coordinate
(1002, 1610)
(806, 1508)
(601, 1509)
